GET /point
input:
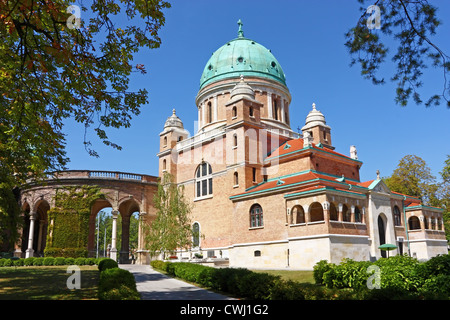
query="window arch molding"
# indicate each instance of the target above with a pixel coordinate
(203, 181)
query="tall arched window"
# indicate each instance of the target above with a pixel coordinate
(195, 234)
(397, 217)
(256, 216)
(209, 112)
(203, 180)
(236, 179)
(346, 214)
(358, 217)
(333, 212)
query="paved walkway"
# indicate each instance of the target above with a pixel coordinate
(154, 285)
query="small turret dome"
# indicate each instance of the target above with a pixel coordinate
(242, 89)
(173, 122)
(314, 118)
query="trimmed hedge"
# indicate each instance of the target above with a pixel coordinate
(401, 277)
(48, 261)
(246, 284)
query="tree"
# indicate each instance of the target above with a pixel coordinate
(413, 177)
(171, 230)
(55, 66)
(410, 24)
(445, 195)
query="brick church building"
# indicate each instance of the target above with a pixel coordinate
(265, 196)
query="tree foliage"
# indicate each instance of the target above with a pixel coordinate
(172, 228)
(411, 25)
(413, 177)
(53, 69)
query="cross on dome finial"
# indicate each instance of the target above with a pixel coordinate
(314, 106)
(240, 31)
(173, 111)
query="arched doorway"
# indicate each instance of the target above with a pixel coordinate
(382, 234)
(128, 230)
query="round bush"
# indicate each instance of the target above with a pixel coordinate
(117, 284)
(8, 263)
(49, 261)
(18, 262)
(28, 261)
(107, 264)
(80, 261)
(69, 261)
(38, 261)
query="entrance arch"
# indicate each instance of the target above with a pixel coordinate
(382, 232)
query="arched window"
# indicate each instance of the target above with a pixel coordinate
(256, 216)
(234, 112)
(439, 223)
(358, 217)
(333, 212)
(397, 217)
(203, 180)
(414, 223)
(346, 214)
(164, 164)
(298, 214)
(236, 179)
(165, 141)
(316, 212)
(235, 140)
(196, 234)
(209, 112)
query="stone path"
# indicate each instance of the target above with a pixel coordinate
(154, 285)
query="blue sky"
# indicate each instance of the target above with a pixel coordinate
(307, 38)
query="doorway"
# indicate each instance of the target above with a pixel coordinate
(382, 234)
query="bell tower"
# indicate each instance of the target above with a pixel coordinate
(173, 133)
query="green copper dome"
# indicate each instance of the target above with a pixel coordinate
(241, 56)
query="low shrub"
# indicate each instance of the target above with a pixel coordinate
(18, 262)
(117, 284)
(80, 261)
(38, 261)
(49, 261)
(319, 269)
(28, 261)
(107, 264)
(59, 261)
(7, 262)
(69, 261)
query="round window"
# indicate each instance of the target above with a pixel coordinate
(240, 59)
(273, 64)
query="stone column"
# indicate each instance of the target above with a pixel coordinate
(269, 105)
(283, 118)
(113, 252)
(30, 252)
(216, 110)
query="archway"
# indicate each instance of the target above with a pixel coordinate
(40, 228)
(99, 228)
(128, 228)
(382, 234)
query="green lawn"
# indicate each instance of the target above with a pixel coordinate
(46, 283)
(299, 276)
